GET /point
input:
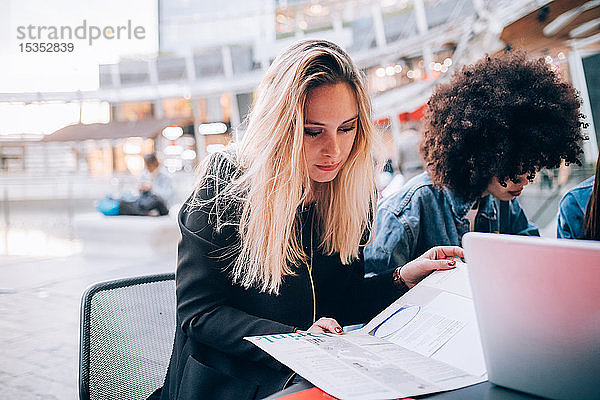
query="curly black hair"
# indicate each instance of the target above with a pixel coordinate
(501, 117)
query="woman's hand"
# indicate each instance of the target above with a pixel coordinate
(436, 258)
(326, 325)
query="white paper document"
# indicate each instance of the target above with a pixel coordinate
(425, 342)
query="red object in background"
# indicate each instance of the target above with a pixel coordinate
(413, 116)
(419, 113)
(383, 121)
(314, 394)
(434, 74)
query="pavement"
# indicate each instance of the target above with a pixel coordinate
(39, 319)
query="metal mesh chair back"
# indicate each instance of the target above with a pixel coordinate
(127, 331)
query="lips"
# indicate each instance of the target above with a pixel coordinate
(515, 193)
(328, 167)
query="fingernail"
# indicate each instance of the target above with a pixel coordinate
(451, 262)
(338, 329)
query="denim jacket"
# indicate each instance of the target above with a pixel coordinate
(571, 211)
(421, 216)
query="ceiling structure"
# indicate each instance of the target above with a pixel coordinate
(557, 26)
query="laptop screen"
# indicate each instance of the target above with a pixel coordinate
(538, 308)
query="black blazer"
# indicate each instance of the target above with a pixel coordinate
(210, 358)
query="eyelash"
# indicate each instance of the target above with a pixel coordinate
(314, 133)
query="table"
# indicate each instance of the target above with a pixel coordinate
(481, 391)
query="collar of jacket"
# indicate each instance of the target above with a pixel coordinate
(461, 206)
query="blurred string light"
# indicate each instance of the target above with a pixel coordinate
(554, 63)
(213, 128)
(416, 73)
(441, 67)
(390, 70)
(172, 132)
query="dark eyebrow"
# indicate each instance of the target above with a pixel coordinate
(320, 124)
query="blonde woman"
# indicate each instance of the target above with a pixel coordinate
(272, 238)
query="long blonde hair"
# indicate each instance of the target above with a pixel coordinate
(272, 180)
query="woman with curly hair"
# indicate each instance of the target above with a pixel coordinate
(272, 237)
(487, 132)
(579, 210)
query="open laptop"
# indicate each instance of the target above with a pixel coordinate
(538, 308)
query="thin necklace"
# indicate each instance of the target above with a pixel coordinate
(310, 268)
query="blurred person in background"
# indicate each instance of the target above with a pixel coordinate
(579, 210)
(272, 237)
(157, 180)
(487, 132)
(156, 194)
(384, 174)
(409, 161)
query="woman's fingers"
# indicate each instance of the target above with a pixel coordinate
(414, 271)
(441, 252)
(330, 325)
(327, 325)
(427, 266)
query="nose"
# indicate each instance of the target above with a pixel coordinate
(331, 146)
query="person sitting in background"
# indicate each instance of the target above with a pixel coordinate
(487, 132)
(156, 180)
(272, 237)
(579, 210)
(156, 191)
(156, 194)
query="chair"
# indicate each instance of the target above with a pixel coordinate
(126, 336)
